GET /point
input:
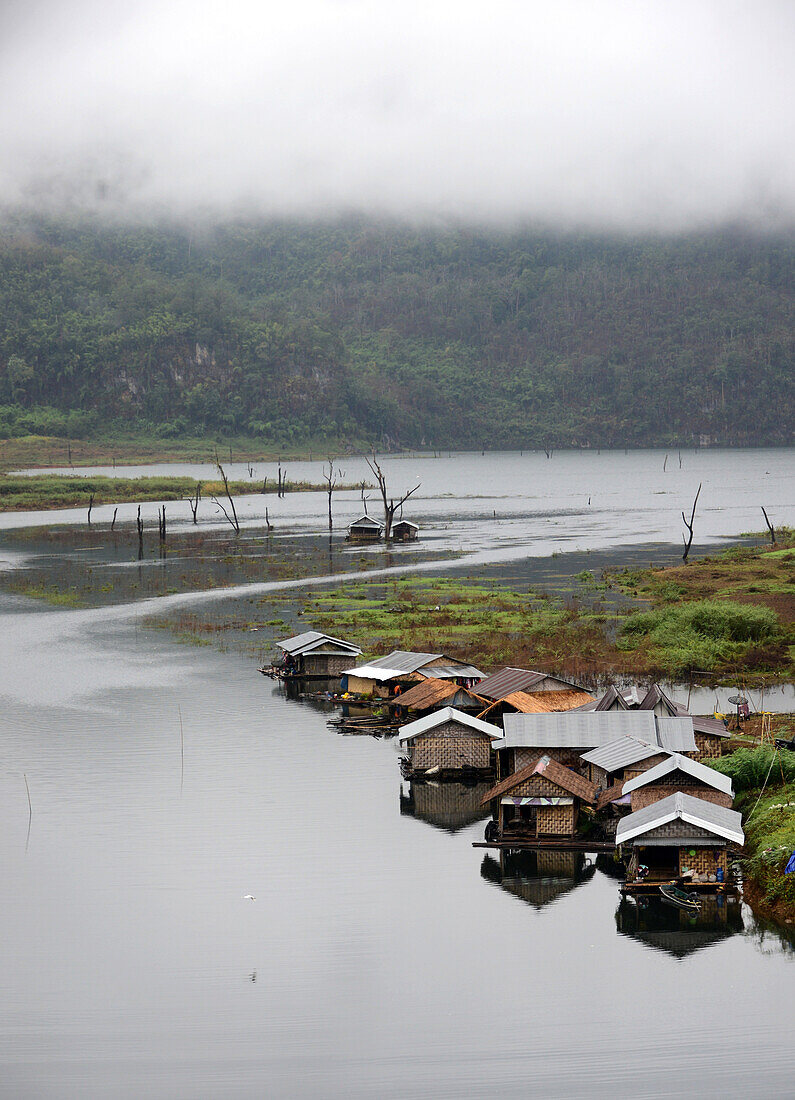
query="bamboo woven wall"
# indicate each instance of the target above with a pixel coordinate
(569, 757)
(539, 785)
(705, 861)
(557, 820)
(708, 746)
(325, 664)
(459, 750)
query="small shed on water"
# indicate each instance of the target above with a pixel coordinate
(448, 740)
(365, 529)
(402, 669)
(433, 693)
(507, 680)
(404, 531)
(313, 655)
(542, 799)
(679, 835)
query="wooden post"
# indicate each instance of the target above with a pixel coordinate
(140, 524)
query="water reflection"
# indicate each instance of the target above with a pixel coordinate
(538, 878)
(445, 805)
(675, 932)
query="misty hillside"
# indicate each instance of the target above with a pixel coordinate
(450, 338)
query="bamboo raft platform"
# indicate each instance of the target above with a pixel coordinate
(546, 844)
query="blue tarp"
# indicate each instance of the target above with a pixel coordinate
(790, 868)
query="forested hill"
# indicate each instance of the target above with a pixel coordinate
(450, 338)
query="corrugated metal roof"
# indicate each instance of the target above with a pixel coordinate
(685, 807)
(502, 683)
(675, 762)
(447, 714)
(311, 639)
(394, 664)
(453, 672)
(552, 770)
(656, 695)
(366, 521)
(575, 729)
(676, 734)
(621, 753)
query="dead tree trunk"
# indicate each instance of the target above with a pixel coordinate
(194, 502)
(161, 523)
(140, 524)
(770, 528)
(113, 521)
(390, 504)
(331, 479)
(90, 506)
(689, 525)
(231, 512)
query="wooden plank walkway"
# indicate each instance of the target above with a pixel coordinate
(576, 845)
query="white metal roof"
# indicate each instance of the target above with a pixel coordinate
(676, 762)
(685, 807)
(576, 729)
(447, 714)
(621, 753)
(311, 639)
(366, 521)
(397, 663)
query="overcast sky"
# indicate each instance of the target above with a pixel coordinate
(602, 113)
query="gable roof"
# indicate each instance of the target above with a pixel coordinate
(507, 680)
(396, 663)
(552, 770)
(311, 639)
(656, 695)
(709, 776)
(541, 702)
(701, 723)
(455, 672)
(446, 714)
(684, 807)
(574, 729)
(433, 692)
(366, 521)
(621, 753)
(405, 523)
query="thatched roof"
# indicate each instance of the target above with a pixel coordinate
(436, 693)
(541, 702)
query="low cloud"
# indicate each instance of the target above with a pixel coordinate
(620, 115)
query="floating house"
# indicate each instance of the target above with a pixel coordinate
(537, 702)
(401, 669)
(679, 836)
(404, 531)
(542, 799)
(679, 773)
(448, 742)
(566, 736)
(508, 680)
(433, 693)
(313, 655)
(365, 529)
(627, 757)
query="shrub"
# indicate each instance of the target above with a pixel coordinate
(748, 768)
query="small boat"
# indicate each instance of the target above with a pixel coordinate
(672, 895)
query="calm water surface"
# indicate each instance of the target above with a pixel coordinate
(383, 955)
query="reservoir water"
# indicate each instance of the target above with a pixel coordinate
(382, 955)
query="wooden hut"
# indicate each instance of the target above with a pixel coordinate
(448, 742)
(679, 836)
(365, 529)
(537, 702)
(404, 531)
(313, 655)
(542, 799)
(401, 670)
(679, 773)
(500, 684)
(433, 693)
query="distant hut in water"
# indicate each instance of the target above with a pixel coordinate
(404, 531)
(313, 655)
(433, 693)
(387, 677)
(365, 529)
